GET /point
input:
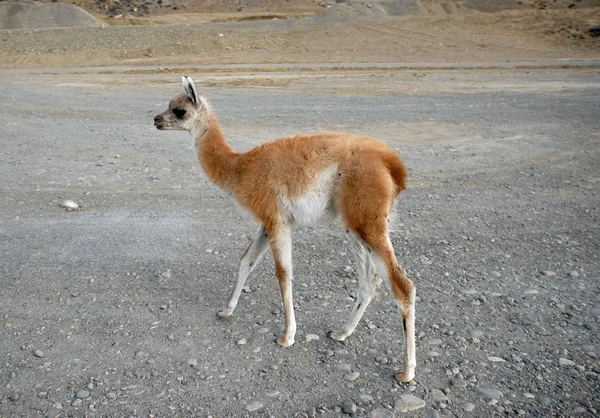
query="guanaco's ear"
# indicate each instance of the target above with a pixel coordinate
(190, 89)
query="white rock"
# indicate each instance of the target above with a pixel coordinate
(496, 359)
(272, 393)
(565, 362)
(253, 406)
(468, 407)
(408, 403)
(352, 376)
(311, 337)
(438, 395)
(69, 205)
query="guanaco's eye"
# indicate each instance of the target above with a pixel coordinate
(179, 113)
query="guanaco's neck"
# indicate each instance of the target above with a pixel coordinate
(216, 157)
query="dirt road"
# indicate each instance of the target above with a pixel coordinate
(110, 310)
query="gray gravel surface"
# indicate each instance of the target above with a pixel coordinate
(109, 309)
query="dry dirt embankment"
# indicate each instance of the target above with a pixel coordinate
(514, 35)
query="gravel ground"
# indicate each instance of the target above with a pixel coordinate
(109, 310)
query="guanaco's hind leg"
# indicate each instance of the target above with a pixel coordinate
(281, 245)
(251, 257)
(404, 293)
(368, 282)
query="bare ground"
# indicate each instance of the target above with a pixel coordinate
(110, 310)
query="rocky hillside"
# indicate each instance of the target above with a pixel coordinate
(139, 8)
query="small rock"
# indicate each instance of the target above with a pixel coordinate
(191, 362)
(241, 341)
(38, 353)
(579, 410)
(496, 359)
(14, 396)
(432, 413)
(548, 273)
(468, 407)
(408, 403)
(69, 205)
(438, 395)
(82, 394)
(459, 383)
(530, 292)
(311, 337)
(76, 402)
(364, 398)
(345, 367)
(489, 393)
(436, 341)
(565, 362)
(476, 333)
(352, 376)
(111, 395)
(349, 407)
(382, 413)
(253, 406)
(574, 274)
(272, 393)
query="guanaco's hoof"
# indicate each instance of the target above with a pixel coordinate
(405, 376)
(337, 335)
(225, 313)
(285, 342)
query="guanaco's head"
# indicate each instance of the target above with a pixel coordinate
(185, 111)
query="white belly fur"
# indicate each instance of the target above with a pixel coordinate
(317, 205)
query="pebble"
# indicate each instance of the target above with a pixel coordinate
(14, 396)
(468, 407)
(548, 273)
(82, 394)
(438, 395)
(565, 362)
(345, 367)
(459, 383)
(432, 413)
(408, 403)
(476, 333)
(349, 407)
(436, 341)
(76, 402)
(253, 406)
(489, 392)
(496, 359)
(352, 376)
(38, 353)
(111, 395)
(192, 362)
(241, 341)
(530, 292)
(69, 205)
(311, 337)
(382, 413)
(272, 393)
(579, 410)
(574, 274)
(364, 398)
